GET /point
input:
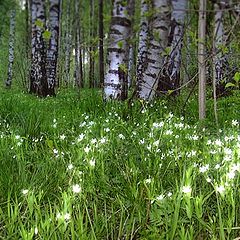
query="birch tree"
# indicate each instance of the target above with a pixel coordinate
(158, 40)
(52, 51)
(11, 48)
(38, 77)
(170, 79)
(143, 42)
(115, 82)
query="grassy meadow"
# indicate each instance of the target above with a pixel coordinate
(74, 167)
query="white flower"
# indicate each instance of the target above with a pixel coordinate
(235, 122)
(80, 137)
(25, 191)
(231, 174)
(103, 140)
(70, 166)
(17, 137)
(169, 132)
(93, 141)
(217, 166)
(218, 143)
(160, 197)
(220, 189)
(148, 180)
(87, 149)
(156, 143)
(62, 137)
(203, 169)
(36, 231)
(169, 194)
(67, 216)
(208, 179)
(187, 189)
(106, 129)
(76, 188)
(92, 162)
(121, 136)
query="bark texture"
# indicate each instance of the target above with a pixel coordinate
(52, 51)
(201, 59)
(38, 77)
(11, 48)
(115, 82)
(143, 42)
(170, 79)
(158, 40)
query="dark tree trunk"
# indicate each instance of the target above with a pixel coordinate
(101, 50)
(91, 48)
(68, 44)
(78, 54)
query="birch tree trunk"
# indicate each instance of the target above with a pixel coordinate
(160, 24)
(38, 77)
(143, 42)
(201, 59)
(52, 52)
(115, 82)
(170, 79)
(8, 82)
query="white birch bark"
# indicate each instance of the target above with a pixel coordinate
(160, 24)
(11, 48)
(115, 82)
(38, 79)
(173, 63)
(143, 41)
(52, 52)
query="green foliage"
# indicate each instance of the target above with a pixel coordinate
(79, 168)
(46, 35)
(39, 23)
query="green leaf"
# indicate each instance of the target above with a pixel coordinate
(49, 143)
(170, 92)
(237, 77)
(39, 23)
(230, 85)
(120, 44)
(47, 35)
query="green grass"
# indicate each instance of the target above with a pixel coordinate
(142, 173)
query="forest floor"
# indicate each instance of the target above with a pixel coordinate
(79, 168)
